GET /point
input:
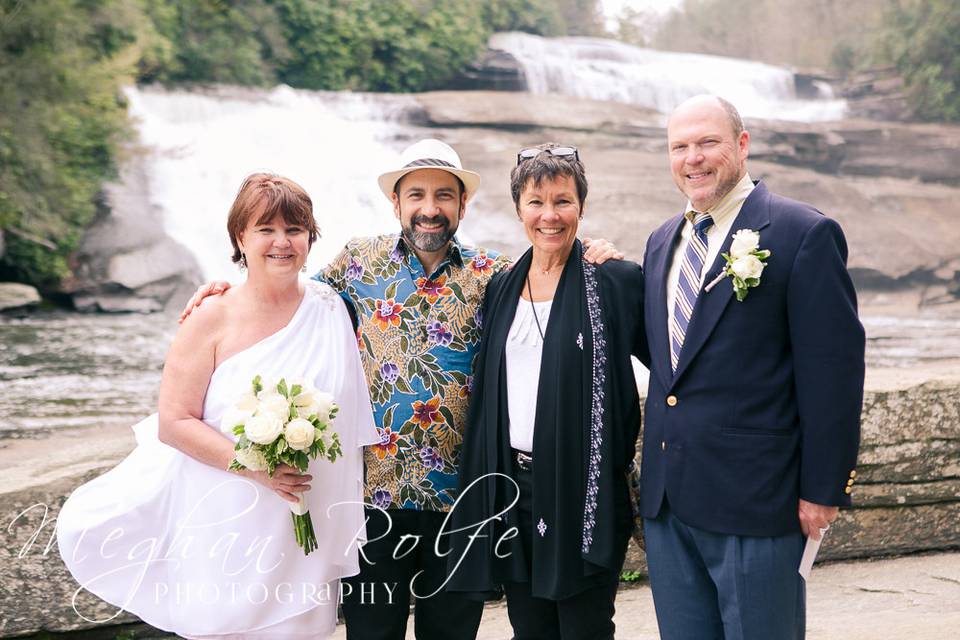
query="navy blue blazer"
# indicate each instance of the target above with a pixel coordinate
(764, 408)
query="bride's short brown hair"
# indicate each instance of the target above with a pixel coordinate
(267, 195)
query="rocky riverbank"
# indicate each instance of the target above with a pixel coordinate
(907, 497)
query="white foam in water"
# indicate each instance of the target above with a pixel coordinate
(201, 146)
(604, 69)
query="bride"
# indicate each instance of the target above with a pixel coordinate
(173, 537)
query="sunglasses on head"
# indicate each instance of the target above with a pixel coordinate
(560, 152)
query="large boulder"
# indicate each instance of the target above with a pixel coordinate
(15, 296)
(126, 262)
(493, 71)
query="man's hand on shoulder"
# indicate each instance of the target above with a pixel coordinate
(600, 250)
(814, 517)
(214, 288)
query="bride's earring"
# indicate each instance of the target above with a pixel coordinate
(303, 269)
(243, 262)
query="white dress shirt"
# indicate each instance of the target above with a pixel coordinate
(724, 214)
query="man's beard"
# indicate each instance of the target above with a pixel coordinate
(425, 241)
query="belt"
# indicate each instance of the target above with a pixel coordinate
(523, 460)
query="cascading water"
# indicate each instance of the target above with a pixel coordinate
(610, 70)
(202, 144)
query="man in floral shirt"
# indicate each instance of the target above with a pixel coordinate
(417, 297)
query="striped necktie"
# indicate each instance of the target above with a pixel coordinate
(688, 286)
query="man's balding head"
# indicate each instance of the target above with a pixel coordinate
(708, 149)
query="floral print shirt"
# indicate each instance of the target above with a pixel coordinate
(418, 336)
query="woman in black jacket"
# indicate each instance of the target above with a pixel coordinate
(554, 419)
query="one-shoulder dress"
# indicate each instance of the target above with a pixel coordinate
(206, 553)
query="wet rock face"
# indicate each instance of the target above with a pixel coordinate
(493, 71)
(126, 262)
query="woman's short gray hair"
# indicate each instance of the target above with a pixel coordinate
(549, 167)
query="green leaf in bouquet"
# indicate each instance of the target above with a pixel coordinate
(282, 388)
(293, 412)
(243, 442)
(257, 384)
(235, 466)
(296, 390)
(334, 410)
(317, 448)
(334, 449)
(238, 430)
(301, 461)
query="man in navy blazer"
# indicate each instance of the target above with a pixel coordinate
(753, 409)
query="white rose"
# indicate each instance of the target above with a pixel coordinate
(299, 434)
(263, 428)
(233, 417)
(248, 402)
(747, 267)
(744, 242)
(276, 405)
(321, 403)
(306, 398)
(252, 459)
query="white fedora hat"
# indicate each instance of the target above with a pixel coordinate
(429, 154)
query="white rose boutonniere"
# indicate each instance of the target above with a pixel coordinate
(745, 242)
(745, 263)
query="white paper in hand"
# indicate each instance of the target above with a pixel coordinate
(810, 554)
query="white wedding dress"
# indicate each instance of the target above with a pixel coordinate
(205, 553)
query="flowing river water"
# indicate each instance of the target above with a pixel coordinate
(60, 369)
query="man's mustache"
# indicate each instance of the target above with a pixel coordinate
(420, 218)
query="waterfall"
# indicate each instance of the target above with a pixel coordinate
(201, 144)
(604, 69)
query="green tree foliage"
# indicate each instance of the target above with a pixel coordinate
(235, 42)
(540, 17)
(60, 121)
(62, 63)
(923, 40)
(379, 46)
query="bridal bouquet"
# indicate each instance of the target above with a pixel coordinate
(278, 424)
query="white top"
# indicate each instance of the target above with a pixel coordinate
(724, 215)
(524, 349)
